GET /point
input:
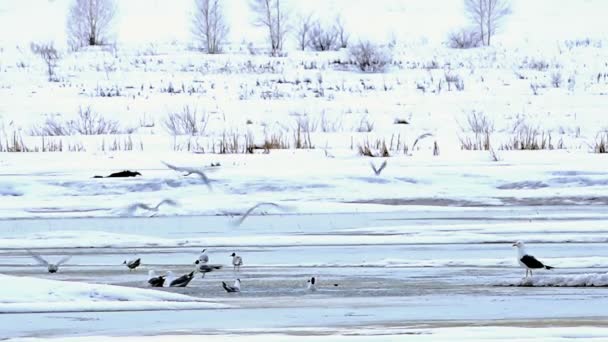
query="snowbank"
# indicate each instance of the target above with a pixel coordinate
(373, 335)
(27, 294)
(578, 280)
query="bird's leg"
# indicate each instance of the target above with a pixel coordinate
(530, 273)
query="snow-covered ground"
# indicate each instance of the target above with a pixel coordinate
(420, 251)
(25, 294)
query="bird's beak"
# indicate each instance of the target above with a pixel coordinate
(514, 245)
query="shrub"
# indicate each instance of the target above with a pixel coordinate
(323, 38)
(482, 128)
(464, 39)
(91, 123)
(49, 54)
(369, 57)
(185, 122)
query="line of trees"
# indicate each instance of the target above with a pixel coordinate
(89, 23)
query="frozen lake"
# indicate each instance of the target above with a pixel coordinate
(387, 275)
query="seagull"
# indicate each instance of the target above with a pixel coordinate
(155, 281)
(182, 281)
(133, 207)
(132, 264)
(203, 258)
(204, 268)
(188, 171)
(378, 170)
(311, 284)
(250, 210)
(235, 288)
(52, 268)
(526, 260)
(237, 262)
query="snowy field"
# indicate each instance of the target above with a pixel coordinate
(421, 250)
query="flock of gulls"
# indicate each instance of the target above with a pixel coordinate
(202, 265)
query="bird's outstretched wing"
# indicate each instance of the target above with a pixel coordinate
(378, 170)
(133, 207)
(38, 258)
(250, 210)
(139, 205)
(189, 171)
(425, 135)
(166, 201)
(64, 260)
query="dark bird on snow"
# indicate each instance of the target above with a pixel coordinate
(132, 264)
(528, 261)
(51, 267)
(189, 171)
(182, 281)
(234, 288)
(154, 280)
(378, 170)
(121, 174)
(250, 210)
(205, 268)
(237, 262)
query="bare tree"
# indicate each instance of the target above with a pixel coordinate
(487, 15)
(303, 28)
(343, 36)
(497, 11)
(271, 15)
(49, 54)
(209, 25)
(476, 12)
(89, 22)
(324, 39)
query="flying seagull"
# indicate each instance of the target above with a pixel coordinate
(132, 264)
(133, 207)
(235, 288)
(52, 268)
(378, 170)
(311, 284)
(250, 210)
(154, 280)
(203, 258)
(237, 262)
(204, 268)
(182, 281)
(526, 260)
(188, 171)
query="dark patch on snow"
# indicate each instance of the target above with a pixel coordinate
(248, 188)
(580, 181)
(407, 180)
(373, 180)
(523, 185)
(577, 173)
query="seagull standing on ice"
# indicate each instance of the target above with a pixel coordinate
(235, 288)
(155, 281)
(132, 264)
(526, 260)
(182, 281)
(237, 262)
(52, 268)
(203, 258)
(204, 268)
(311, 284)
